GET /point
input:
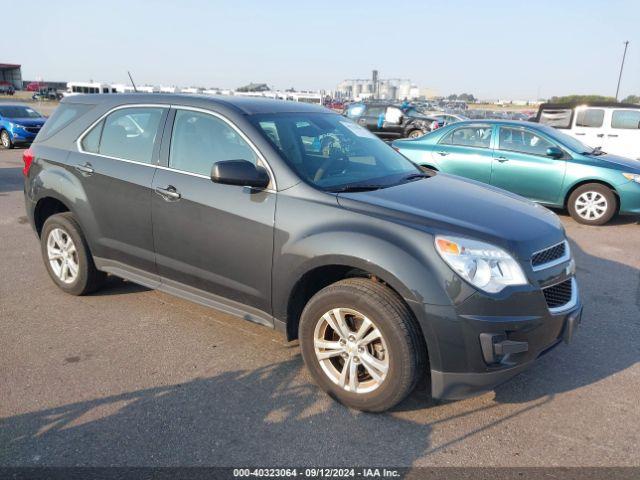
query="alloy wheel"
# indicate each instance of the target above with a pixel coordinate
(5, 139)
(62, 255)
(591, 205)
(351, 350)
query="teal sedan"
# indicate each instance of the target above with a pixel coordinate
(535, 161)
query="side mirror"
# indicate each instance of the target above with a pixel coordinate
(555, 152)
(239, 172)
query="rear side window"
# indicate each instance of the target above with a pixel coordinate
(590, 117)
(127, 134)
(558, 118)
(199, 140)
(626, 119)
(63, 116)
(478, 136)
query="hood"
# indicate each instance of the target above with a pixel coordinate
(448, 204)
(28, 122)
(629, 165)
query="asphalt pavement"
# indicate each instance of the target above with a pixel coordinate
(130, 376)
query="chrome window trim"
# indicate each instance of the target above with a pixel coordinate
(565, 258)
(573, 301)
(272, 188)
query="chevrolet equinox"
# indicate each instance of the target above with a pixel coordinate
(294, 217)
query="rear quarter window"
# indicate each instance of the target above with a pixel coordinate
(63, 116)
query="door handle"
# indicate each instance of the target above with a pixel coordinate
(444, 154)
(85, 169)
(170, 194)
(611, 135)
(580, 133)
(502, 159)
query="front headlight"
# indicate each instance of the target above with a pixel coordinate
(483, 265)
(634, 177)
(17, 125)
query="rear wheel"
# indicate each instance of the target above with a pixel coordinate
(67, 257)
(415, 134)
(5, 139)
(592, 204)
(361, 344)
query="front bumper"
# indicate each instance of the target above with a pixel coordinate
(629, 194)
(457, 385)
(22, 136)
(482, 342)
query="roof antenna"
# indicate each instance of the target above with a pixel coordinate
(132, 83)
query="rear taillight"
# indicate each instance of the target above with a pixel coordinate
(27, 158)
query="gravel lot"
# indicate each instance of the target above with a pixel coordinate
(130, 376)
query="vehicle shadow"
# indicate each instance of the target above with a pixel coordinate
(272, 416)
(11, 179)
(237, 418)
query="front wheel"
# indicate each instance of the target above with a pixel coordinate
(361, 344)
(592, 204)
(415, 134)
(5, 139)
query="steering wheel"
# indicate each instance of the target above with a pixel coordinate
(328, 163)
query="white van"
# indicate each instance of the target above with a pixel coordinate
(77, 88)
(615, 127)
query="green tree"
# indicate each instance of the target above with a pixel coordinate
(581, 98)
(632, 99)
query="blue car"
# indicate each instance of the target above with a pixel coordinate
(19, 124)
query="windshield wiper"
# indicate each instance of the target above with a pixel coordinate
(596, 151)
(357, 188)
(416, 176)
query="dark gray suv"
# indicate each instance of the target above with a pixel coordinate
(294, 217)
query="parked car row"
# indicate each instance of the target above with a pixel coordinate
(385, 272)
(7, 88)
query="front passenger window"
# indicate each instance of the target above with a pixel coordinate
(523, 141)
(199, 140)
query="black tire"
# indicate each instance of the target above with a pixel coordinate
(597, 192)
(5, 140)
(88, 278)
(405, 345)
(415, 134)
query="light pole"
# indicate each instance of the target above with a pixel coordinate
(626, 44)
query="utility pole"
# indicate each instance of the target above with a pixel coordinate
(626, 44)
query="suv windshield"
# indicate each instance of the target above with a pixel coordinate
(333, 153)
(18, 111)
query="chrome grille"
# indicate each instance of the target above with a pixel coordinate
(549, 255)
(559, 294)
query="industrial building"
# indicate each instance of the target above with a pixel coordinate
(11, 74)
(379, 88)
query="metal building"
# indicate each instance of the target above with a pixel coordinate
(11, 73)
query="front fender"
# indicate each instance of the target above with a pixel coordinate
(311, 235)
